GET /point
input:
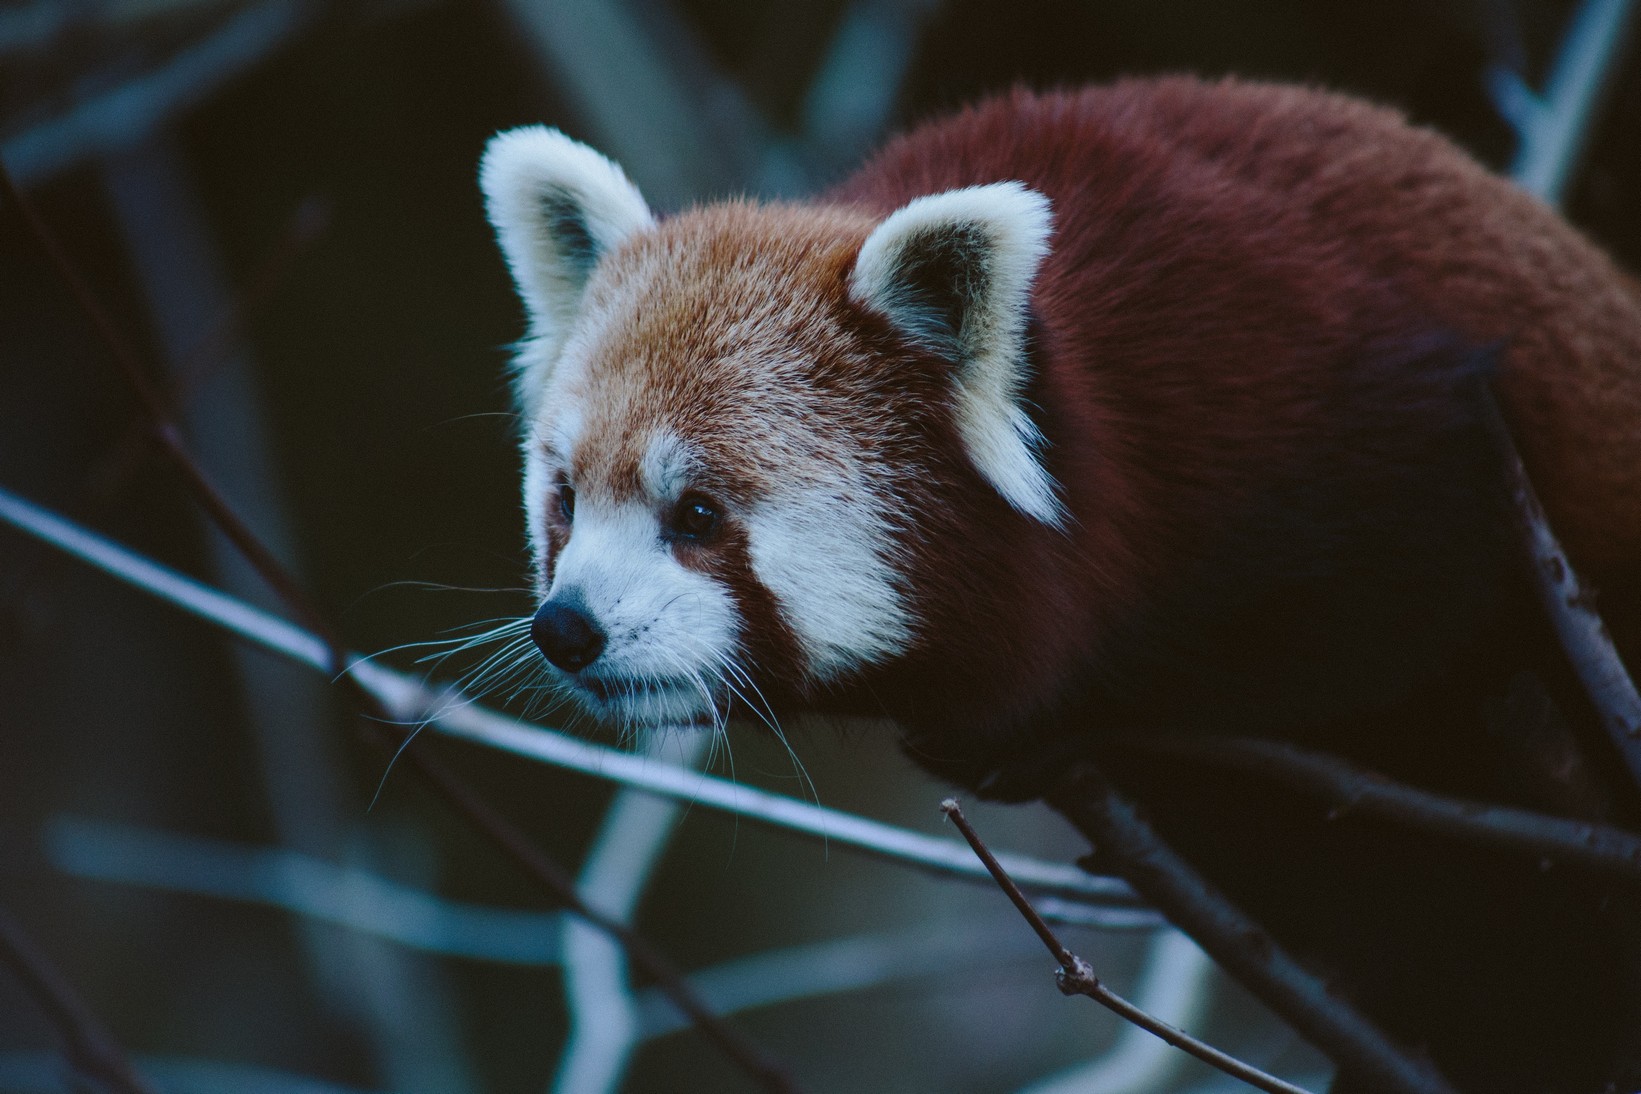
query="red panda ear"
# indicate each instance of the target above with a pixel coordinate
(557, 207)
(953, 272)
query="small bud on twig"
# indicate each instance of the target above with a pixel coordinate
(1076, 976)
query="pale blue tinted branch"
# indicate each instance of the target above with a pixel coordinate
(457, 715)
(176, 863)
(129, 113)
(1554, 127)
(603, 1010)
(841, 965)
(46, 1073)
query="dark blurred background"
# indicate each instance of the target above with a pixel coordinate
(275, 203)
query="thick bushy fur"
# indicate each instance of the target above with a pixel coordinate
(1256, 320)
(1193, 445)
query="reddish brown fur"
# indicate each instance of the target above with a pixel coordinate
(1212, 242)
(729, 318)
(1348, 198)
(1249, 284)
(1255, 343)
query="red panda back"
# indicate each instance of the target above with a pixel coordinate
(1259, 327)
(1365, 214)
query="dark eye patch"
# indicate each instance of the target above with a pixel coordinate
(695, 519)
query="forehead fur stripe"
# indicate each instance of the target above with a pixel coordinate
(953, 272)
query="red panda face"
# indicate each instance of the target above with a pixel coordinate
(732, 420)
(703, 477)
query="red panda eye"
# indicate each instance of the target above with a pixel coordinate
(566, 502)
(694, 518)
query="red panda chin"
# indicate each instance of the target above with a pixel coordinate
(645, 703)
(1142, 409)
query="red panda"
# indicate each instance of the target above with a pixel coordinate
(1137, 409)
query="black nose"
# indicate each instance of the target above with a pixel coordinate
(566, 636)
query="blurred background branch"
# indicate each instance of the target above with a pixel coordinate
(353, 402)
(117, 112)
(415, 703)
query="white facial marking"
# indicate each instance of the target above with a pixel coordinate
(668, 629)
(825, 555)
(565, 430)
(666, 468)
(537, 480)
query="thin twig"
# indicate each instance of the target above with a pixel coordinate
(158, 409)
(479, 812)
(1570, 603)
(1175, 984)
(1076, 976)
(1355, 789)
(1356, 1045)
(91, 1049)
(130, 447)
(378, 722)
(1081, 898)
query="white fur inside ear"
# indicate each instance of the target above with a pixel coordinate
(557, 207)
(953, 271)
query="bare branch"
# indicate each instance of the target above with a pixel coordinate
(1175, 985)
(1076, 976)
(1554, 128)
(482, 815)
(131, 111)
(37, 26)
(1355, 789)
(91, 1049)
(157, 406)
(1240, 945)
(1570, 604)
(1082, 899)
(301, 885)
(604, 1025)
(379, 724)
(853, 963)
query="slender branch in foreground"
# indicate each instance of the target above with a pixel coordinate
(92, 1051)
(407, 700)
(1354, 789)
(157, 408)
(1570, 604)
(1240, 946)
(378, 722)
(729, 1039)
(1078, 897)
(1076, 976)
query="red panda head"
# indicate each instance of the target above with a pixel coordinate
(742, 425)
